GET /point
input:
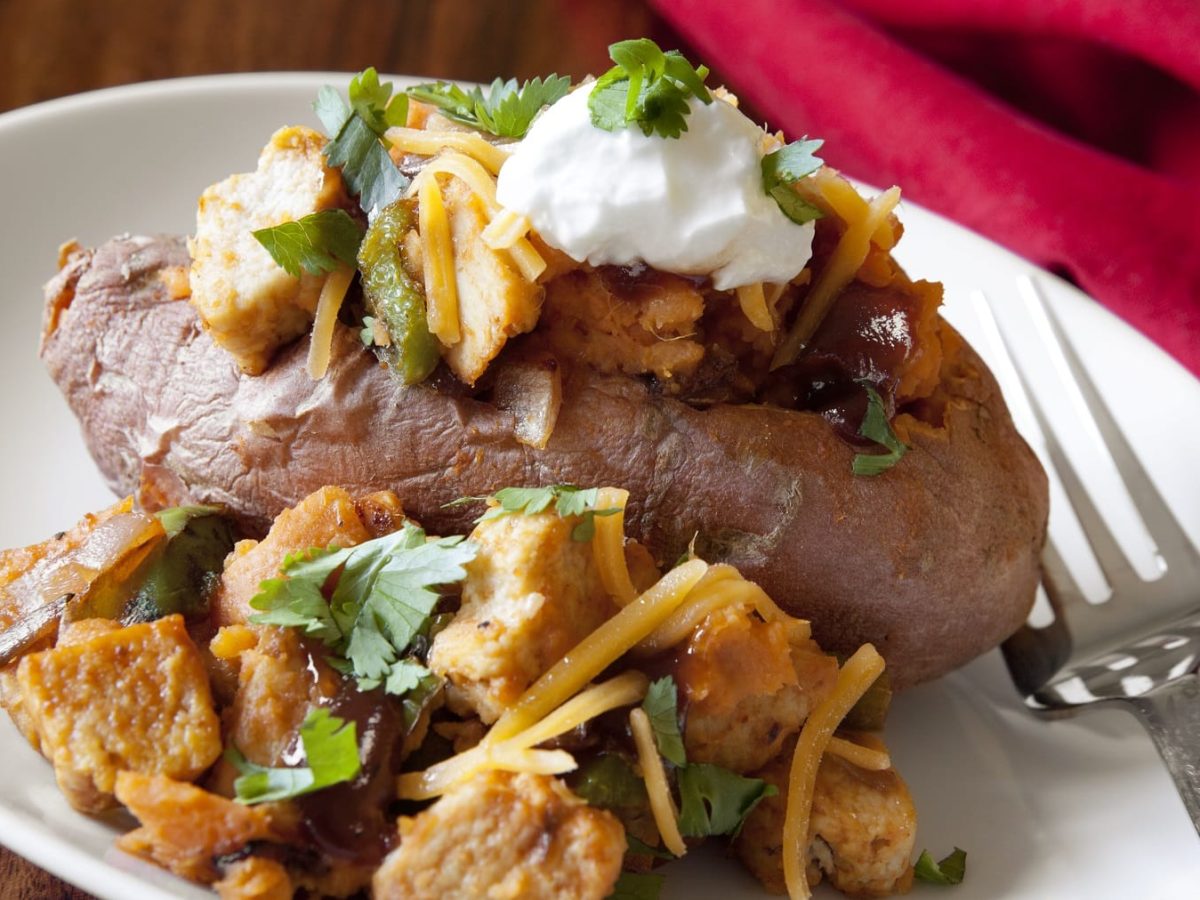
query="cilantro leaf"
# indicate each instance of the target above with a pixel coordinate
(647, 88)
(385, 593)
(782, 168)
(637, 847)
(609, 782)
(506, 111)
(569, 501)
(875, 427)
(715, 800)
(949, 871)
(356, 145)
(316, 243)
(632, 886)
(662, 710)
(374, 104)
(330, 749)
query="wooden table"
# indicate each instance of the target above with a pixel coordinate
(50, 48)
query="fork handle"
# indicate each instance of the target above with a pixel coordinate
(1171, 714)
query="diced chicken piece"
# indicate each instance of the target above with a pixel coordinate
(248, 302)
(639, 325)
(743, 695)
(185, 829)
(495, 302)
(278, 681)
(328, 516)
(501, 835)
(134, 698)
(255, 878)
(861, 832)
(531, 594)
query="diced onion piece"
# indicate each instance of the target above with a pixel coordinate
(320, 347)
(839, 271)
(441, 290)
(608, 546)
(854, 679)
(754, 304)
(662, 805)
(438, 779)
(599, 650)
(505, 229)
(531, 389)
(858, 755)
(623, 690)
(430, 143)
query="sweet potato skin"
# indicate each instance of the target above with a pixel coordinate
(934, 561)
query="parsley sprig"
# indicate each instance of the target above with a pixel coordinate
(713, 800)
(383, 601)
(875, 427)
(316, 244)
(356, 143)
(506, 110)
(949, 870)
(330, 749)
(647, 88)
(567, 499)
(782, 168)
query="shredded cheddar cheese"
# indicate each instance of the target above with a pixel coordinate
(320, 348)
(505, 230)
(662, 804)
(843, 263)
(599, 650)
(858, 755)
(437, 255)
(854, 679)
(608, 546)
(430, 143)
(753, 302)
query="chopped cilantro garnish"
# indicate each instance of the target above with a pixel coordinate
(714, 800)
(506, 110)
(661, 706)
(782, 168)
(647, 88)
(875, 427)
(356, 144)
(385, 594)
(330, 749)
(949, 871)
(568, 501)
(632, 886)
(315, 244)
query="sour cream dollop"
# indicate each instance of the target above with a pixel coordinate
(693, 205)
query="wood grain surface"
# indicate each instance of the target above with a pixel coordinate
(51, 48)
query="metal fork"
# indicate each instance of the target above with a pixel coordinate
(1140, 649)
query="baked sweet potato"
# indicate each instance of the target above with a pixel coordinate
(935, 560)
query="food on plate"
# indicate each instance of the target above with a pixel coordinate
(625, 282)
(353, 705)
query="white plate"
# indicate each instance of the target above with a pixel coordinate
(1077, 808)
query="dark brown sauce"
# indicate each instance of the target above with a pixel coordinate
(349, 821)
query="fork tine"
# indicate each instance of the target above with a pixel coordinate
(1112, 559)
(1174, 546)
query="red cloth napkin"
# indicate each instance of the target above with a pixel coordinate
(860, 75)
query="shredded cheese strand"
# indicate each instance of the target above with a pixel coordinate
(437, 259)
(505, 230)
(753, 302)
(599, 650)
(430, 783)
(856, 754)
(627, 688)
(854, 679)
(430, 143)
(662, 805)
(844, 262)
(320, 347)
(608, 546)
